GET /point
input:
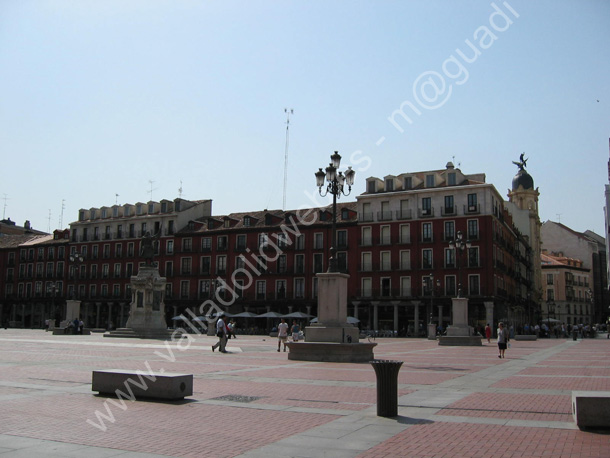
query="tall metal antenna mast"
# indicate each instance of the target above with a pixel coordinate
(61, 215)
(116, 199)
(151, 188)
(49, 222)
(288, 112)
(180, 190)
(4, 210)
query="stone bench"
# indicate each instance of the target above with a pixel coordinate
(591, 409)
(166, 385)
(526, 337)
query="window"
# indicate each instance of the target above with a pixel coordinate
(204, 289)
(449, 205)
(49, 269)
(408, 183)
(386, 287)
(549, 279)
(169, 268)
(299, 264)
(300, 242)
(130, 269)
(550, 295)
(280, 289)
(426, 232)
(185, 266)
(117, 270)
(221, 265)
(105, 270)
(473, 285)
(106, 252)
(389, 184)
(341, 239)
(170, 247)
(426, 206)
(281, 263)
(449, 258)
(473, 257)
(263, 240)
(262, 263)
(429, 181)
(187, 244)
(405, 286)
(318, 241)
(386, 213)
(93, 272)
(449, 230)
(247, 221)
(426, 255)
(472, 203)
(205, 265)
(473, 229)
(405, 233)
(370, 186)
(386, 264)
(451, 179)
(384, 238)
(342, 261)
(240, 263)
(116, 290)
(184, 289)
(317, 263)
(282, 240)
(367, 287)
(299, 288)
(130, 249)
(367, 262)
(118, 250)
(261, 289)
(206, 243)
(240, 243)
(405, 260)
(450, 289)
(222, 243)
(367, 239)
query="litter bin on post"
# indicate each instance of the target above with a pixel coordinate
(387, 386)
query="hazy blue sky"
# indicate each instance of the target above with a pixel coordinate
(98, 98)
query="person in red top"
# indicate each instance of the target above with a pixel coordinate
(488, 333)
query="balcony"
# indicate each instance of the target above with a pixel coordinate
(404, 214)
(474, 209)
(425, 212)
(384, 216)
(448, 211)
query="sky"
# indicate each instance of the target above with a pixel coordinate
(118, 101)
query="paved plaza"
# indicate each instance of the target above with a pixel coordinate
(253, 402)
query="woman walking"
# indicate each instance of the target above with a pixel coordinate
(502, 339)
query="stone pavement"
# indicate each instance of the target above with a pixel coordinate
(253, 402)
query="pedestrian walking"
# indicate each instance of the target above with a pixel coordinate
(503, 339)
(282, 334)
(295, 331)
(221, 333)
(488, 333)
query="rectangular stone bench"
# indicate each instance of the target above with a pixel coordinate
(591, 409)
(143, 384)
(526, 337)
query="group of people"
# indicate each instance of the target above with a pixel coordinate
(225, 331)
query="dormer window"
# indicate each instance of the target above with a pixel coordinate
(227, 223)
(151, 208)
(370, 187)
(247, 221)
(451, 179)
(408, 183)
(344, 214)
(429, 181)
(389, 184)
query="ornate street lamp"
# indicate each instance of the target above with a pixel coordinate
(459, 245)
(76, 259)
(337, 181)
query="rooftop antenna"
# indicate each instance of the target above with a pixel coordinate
(49, 222)
(559, 217)
(116, 199)
(180, 190)
(151, 188)
(61, 214)
(4, 210)
(288, 112)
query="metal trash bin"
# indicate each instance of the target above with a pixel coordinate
(387, 386)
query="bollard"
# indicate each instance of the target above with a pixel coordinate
(387, 386)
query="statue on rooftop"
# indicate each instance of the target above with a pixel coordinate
(522, 162)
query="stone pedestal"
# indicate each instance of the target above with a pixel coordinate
(147, 309)
(332, 338)
(431, 331)
(459, 333)
(72, 310)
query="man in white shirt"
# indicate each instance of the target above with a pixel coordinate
(221, 333)
(282, 334)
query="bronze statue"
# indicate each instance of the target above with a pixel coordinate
(522, 162)
(147, 247)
